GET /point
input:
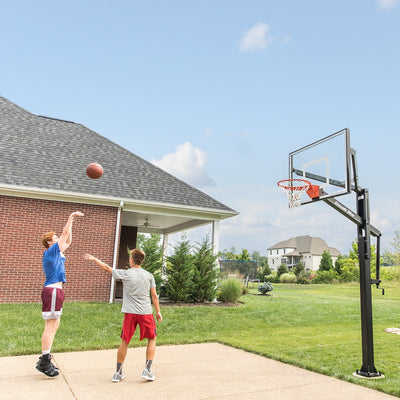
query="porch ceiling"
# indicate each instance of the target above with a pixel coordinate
(161, 224)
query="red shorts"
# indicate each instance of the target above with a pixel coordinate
(52, 299)
(146, 323)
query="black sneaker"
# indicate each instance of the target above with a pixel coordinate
(40, 359)
(45, 366)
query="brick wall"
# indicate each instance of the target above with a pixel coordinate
(23, 223)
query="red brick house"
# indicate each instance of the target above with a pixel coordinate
(42, 180)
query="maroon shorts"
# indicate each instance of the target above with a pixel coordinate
(146, 324)
(52, 299)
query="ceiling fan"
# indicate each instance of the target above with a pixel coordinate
(148, 224)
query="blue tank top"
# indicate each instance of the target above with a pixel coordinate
(53, 265)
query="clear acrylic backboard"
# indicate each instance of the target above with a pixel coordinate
(325, 163)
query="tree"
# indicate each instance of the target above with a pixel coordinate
(395, 243)
(229, 254)
(205, 273)
(244, 256)
(263, 267)
(339, 264)
(298, 269)
(349, 271)
(179, 272)
(282, 269)
(326, 261)
(153, 261)
(388, 259)
(353, 255)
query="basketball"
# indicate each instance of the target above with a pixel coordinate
(94, 171)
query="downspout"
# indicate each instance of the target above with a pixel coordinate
(114, 264)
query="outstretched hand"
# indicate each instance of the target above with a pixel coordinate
(88, 257)
(76, 214)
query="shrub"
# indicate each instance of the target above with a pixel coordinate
(390, 273)
(230, 291)
(288, 277)
(304, 277)
(326, 277)
(349, 271)
(265, 287)
(274, 278)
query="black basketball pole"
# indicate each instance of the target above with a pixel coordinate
(364, 255)
(364, 231)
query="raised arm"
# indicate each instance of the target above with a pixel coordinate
(66, 237)
(156, 303)
(100, 263)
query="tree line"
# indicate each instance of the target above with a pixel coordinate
(190, 273)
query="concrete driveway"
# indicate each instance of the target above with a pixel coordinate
(208, 371)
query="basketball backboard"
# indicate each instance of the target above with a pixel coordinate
(325, 163)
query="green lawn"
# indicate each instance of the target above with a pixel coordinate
(312, 326)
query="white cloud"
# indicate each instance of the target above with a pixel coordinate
(387, 4)
(258, 38)
(188, 163)
(255, 38)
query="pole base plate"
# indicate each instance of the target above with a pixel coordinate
(368, 375)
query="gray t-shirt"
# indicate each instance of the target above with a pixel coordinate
(137, 283)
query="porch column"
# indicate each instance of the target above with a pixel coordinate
(215, 236)
(164, 254)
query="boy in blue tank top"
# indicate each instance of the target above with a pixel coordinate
(52, 294)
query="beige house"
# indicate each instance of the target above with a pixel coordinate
(301, 249)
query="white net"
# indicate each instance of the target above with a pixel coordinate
(294, 189)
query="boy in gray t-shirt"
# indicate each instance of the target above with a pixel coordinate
(139, 290)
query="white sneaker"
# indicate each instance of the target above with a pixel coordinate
(118, 377)
(146, 374)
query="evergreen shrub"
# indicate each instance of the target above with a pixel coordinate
(265, 287)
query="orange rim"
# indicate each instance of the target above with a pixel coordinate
(286, 184)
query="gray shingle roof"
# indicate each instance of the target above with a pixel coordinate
(52, 154)
(306, 244)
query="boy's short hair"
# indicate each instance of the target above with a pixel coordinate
(138, 256)
(47, 237)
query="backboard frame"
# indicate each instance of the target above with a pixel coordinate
(344, 186)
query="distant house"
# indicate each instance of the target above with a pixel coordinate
(301, 249)
(42, 180)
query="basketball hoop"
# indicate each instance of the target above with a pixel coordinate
(294, 189)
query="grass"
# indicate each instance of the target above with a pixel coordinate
(316, 327)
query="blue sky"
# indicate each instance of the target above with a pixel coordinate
(220, 92)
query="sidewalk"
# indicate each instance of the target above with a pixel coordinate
(207, 371)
